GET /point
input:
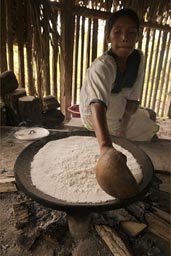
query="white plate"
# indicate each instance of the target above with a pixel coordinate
(32, 133)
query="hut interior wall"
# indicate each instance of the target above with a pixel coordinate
(45, 63)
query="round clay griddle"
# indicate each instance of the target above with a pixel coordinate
(24, 182)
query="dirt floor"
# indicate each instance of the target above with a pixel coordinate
(45, 232)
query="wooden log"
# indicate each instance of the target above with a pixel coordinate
(7, 184)
(50, 102)
(165, 185)
(158, 226)
(133, 228)
(30, 110)
(11, 104)
(113, 241)
(137, 209)
(52, 118)
(26, 241)
(162, 214)
(21, 214)
(8, 82)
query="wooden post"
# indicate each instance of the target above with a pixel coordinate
(67, 37)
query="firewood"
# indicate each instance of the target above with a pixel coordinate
(21, 215)
(133, 228)
(113, 241)
(7, 184)
(158, 226)
(26, 241)
(163, 215)
(30, 110)
(11, 105)
(50, 102)
(137, 209)
(165, 185)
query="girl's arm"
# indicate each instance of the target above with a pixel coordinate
(100, 126)
(131, 108)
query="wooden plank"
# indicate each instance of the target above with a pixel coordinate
(158, 226)
(7, 184)
(113, 241)
(133, 228)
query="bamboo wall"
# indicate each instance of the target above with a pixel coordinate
(55, 61)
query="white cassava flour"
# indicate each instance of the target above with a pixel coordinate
(65, 169)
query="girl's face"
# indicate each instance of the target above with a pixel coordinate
(123, 37)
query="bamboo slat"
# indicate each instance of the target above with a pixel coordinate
(77, 29)
(88, 44)
(10, 35)
(94, 39)
(20, 41)
(67, 42)
(29, 57)
(3, 59)
(161, 90)
(156, 57)
(55, 53)
(146, 54)
(148, 72)
(105, 40)
(82, 50)
(159, 70)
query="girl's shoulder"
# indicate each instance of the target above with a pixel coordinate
(104, 60)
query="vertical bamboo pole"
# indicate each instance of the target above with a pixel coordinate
(159, 86)
(148, 72)
(167, 77)
(76, 60)
(67, 42)
(94, 39)
(54, 65)
(3, 59)
(88, 44)
(46, 67)
(20, 41)
(29, 46)
(154, 70)
(105, 41)
(145, 88)
(10, 34)
(159, 70)
(82, 50)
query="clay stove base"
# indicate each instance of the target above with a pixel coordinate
(79, 225)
